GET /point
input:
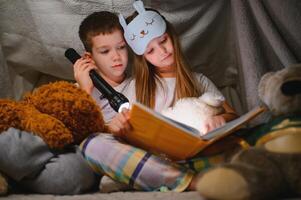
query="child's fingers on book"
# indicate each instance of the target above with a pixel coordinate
(126, 113)
(116, 128)
(127, 128)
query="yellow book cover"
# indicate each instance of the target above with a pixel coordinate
(161, 135)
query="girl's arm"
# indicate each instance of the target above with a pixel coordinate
(229, 114)
(219, 120)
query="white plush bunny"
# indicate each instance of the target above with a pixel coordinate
(194, 111)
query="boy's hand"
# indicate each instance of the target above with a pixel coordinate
(81, 69)
(120, 126)
(213, 123)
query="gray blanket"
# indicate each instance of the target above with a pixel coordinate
(27, 160)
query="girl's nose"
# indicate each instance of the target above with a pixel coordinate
(116, 54)
(162, 49)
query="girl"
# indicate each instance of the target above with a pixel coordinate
(161, 73)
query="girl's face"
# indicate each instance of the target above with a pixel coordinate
(160, 53)
(110, 54)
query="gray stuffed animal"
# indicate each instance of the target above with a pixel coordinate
(272, 168)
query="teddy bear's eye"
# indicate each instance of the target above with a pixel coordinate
(133, 37)
(150, 23)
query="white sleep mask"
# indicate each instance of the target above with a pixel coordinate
(146, 26)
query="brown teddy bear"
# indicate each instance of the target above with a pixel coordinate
(272, 168)
(60, 113)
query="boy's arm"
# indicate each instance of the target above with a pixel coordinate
(81, 69)
(119, 125)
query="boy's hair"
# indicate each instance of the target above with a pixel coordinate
(146, 76)
(102, 22)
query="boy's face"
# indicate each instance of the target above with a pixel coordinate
(110, 54)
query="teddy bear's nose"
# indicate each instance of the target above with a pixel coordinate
(290, 88)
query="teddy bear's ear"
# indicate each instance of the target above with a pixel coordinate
(263, 84)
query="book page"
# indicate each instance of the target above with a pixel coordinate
(184, 127)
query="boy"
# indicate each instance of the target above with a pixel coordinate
(106, 52)
(67, 173)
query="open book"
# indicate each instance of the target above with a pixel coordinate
(159, 134)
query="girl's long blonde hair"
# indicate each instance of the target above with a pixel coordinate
(147, 78)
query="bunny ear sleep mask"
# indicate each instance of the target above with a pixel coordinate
(146, 26)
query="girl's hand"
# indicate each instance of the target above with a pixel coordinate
(213, 123)
(81, 69)
(120, 126)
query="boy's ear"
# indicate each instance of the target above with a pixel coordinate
(87, 55)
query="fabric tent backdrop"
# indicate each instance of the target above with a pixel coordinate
(233, 42)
